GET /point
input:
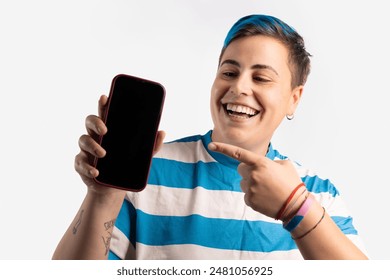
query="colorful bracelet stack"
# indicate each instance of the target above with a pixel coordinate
(310, 230)
(283, 208)
(291, 224)
(292, 219)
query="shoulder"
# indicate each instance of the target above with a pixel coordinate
(314, 181)
(189, 149)
(186, 139)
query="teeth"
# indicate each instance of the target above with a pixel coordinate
(241, 109)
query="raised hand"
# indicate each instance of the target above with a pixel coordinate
(266, 183)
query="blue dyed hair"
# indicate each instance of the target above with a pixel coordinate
(299, 58)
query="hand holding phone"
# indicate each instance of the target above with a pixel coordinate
(132, 118)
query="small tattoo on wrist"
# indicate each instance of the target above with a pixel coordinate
(78, 222)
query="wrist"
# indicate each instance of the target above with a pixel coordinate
(294, 219)
(314, 216)
(107, 198)
(296, 204)
(290, 204)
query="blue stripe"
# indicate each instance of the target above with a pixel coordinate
(345, 224)
(212, 232)
(313, 183)
(293, 223)
(214, 176)
(126, 221)
(112, 256)
(218, 233)
(272, 153)
(317, 185)
(230, 162)
(210, 175)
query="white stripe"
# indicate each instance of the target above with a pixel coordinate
(303, 171)
(160, 200)
(166, 201)
(196, 252)
(192, 152)
(335, 206)
(120, 245)
(189, 152)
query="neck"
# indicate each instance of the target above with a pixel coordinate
(259, 148)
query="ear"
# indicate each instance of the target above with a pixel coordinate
(295, 97)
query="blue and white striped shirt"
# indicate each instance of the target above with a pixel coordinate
(193, 208)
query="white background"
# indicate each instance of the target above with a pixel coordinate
(57, 57)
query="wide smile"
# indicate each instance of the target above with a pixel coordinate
(240, 111)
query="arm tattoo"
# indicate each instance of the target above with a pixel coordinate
(78, 222)
(107, 240)
(109, 224)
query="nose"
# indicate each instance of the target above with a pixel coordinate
(242, 85)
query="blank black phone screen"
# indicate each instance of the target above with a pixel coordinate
(132, 120)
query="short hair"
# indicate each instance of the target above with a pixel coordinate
(299, 58)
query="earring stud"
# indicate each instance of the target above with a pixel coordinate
(290, 117)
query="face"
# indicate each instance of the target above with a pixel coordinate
(252, 93)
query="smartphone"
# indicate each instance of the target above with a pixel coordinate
(132, 118)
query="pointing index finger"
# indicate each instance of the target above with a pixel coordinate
(235, 152)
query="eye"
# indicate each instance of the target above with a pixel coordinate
(229, 74)
(261, 79)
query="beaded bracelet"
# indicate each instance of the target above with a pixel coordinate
(283, 208)
(310, 230)
(294, 222)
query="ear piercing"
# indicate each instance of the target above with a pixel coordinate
(290, 117)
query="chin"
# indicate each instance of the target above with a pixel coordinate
(233, 136)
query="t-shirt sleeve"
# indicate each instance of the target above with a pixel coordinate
(123, 239)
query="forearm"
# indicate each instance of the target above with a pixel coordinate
(89, 235)
(326, 240)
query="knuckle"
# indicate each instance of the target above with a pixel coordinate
(249, 201)
(77, 162)
(243, 186)
(83, 137)
(253, 176)
(92, 122)
(83, 140)
(237, 153)
(80, 162)
(90, 118)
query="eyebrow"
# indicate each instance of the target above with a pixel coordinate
(255, 66)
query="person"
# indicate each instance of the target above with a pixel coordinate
(227, 194)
